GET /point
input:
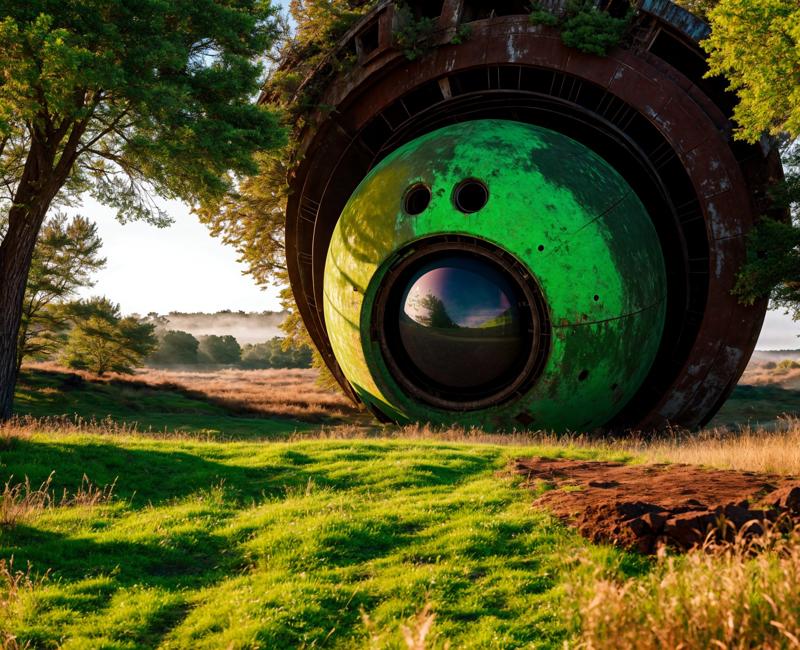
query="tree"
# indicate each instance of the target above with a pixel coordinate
(64, 259)
(175, 348)
(124, 100)
(252, 216)
(434, 313)
(220, 349)
(274, 354)
(102, 341)
(755, 44)
(773, 269)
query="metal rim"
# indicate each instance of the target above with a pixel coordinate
(383, 319)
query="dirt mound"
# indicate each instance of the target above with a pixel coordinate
(638, 506)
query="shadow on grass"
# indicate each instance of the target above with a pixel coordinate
(205, 553)
(150, 476)
(45, 393)
(189, 559)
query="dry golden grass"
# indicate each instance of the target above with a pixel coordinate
(744, 594)
(88, 494)
(14, 586)
(277, 393)
(20, 501)
(754, 450)
(288, 393)
(760, 373)
(772, 451)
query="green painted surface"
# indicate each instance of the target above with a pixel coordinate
(546, 191)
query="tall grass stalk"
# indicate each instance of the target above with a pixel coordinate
(739, 594)
(20, 501)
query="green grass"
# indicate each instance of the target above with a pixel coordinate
(43, 394)
(216, 545)
(757, 405)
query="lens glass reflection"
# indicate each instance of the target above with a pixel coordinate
(460, 324)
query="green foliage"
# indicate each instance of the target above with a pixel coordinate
(212, 545)
(299, 77)
(542, 16)
(773, 267)
(102, 341)
(413, 34)
(462, 35)
(175, 348)
(145, 97)
(219, 349)
(66, 255)
(590, 30)
(755, 44)
(584, 27)
(700, 8)
(126, 101)
(275, 354)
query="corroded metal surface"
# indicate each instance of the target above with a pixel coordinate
(560, 210)
(645, 108)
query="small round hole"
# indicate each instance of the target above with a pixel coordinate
(471, 195)
(541, 248)
(596, 297)
(418, 198)
(584, 375)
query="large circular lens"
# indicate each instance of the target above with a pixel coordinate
(459, 326)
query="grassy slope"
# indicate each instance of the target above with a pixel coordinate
(211, 545)
(237, 544)
(758, 405)
(42, 394)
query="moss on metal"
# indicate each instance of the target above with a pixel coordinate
(563, 212)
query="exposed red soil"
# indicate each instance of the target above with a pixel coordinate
(641, 506)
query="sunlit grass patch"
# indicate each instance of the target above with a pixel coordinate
(210, 545)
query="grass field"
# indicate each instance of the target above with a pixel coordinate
(162, 404)
(183, 520)
(209, 545)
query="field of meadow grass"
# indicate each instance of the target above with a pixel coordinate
(162, 513)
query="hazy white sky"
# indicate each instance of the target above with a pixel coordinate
(179, 268)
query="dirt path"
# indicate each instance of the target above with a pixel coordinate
(638, 506)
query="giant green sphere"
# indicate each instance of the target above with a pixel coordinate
(552, 214)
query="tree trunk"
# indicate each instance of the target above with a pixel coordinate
(16, 252)
(41, 180)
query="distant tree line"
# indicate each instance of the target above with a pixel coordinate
(176, 348)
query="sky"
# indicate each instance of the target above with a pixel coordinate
(178, 268)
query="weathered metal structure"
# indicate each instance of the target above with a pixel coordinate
(511, 233)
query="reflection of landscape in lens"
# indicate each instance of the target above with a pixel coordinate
(460, 325)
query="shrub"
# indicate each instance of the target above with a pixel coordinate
(275, 354)
(102, 341)
(590, 30)
(220, 349)
(175, 348)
